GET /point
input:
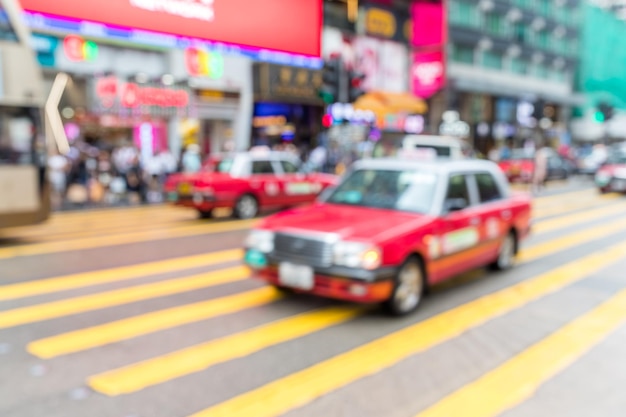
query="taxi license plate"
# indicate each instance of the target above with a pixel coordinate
(296, 276)
(184, 188)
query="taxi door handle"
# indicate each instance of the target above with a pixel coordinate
(506, 214)
(475, 221)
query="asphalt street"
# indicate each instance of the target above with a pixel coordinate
(149, 312)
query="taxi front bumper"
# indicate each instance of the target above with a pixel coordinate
(356, 285)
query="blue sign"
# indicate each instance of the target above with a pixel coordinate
(40, 22)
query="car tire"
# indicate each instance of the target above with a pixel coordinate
(205, 214)
(284, 290)
(409, 288)
(506, 254)
(246, 207)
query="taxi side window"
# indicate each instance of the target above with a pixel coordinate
(289, 168)
(458, 196)
(262, 167)
(487, 188)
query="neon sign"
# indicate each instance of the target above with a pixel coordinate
(204, 63)
(189, 9)
(78, 49)
(132, 95)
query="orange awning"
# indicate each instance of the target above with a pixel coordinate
(384, 103)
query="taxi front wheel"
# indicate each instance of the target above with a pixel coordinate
(247, 207)
(408, 289)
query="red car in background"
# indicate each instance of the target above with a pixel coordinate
(247, 182)
(611, 177)
(519, 167)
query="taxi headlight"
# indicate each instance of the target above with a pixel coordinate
(357, 255)
(602, 178)
(261, 240)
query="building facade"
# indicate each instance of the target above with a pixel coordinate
(165, 78)
(511, 69)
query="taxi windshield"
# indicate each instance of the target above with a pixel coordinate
(410, 190)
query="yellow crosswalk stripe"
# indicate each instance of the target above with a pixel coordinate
(197, 358)
(121, 239)
(93, 337)
(107, 276)
(518, 379)
(303, 387)
(570, 240)
(572, 207)
(56, 309)
(132, 327)
(561, 222)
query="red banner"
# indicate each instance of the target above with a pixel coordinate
(282, 25)
(428, 73)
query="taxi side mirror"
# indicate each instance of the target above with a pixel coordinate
(455, 204)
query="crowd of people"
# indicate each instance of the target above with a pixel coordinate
(89, 176)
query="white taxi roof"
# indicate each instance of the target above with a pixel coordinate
(443, 166)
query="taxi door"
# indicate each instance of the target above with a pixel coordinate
(265, 183)
(495, 215)
(297, 186)
(459, 236)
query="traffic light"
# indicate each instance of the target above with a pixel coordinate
(331, 73)
(606, 112)
(598, 116)
(355, 85)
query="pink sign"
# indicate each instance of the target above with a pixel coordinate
(428, 73)
(429, 23)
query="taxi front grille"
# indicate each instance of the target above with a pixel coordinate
(303, 250)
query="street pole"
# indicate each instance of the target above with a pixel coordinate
(343, 83)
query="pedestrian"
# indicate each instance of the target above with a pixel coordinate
(540, 172)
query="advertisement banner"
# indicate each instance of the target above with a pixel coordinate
(385, 23)
(428, 73)
(280, 25)
(384, 64)
(429, 24)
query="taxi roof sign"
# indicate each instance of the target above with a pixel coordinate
(418, 154)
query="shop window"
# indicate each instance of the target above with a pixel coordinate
(464, 13)
(493, 22)
(543, 39)
(519, 66)
(492, 60)
(6, 30)
(519, 32)
(545, 7)
(463, 54)
(262, 167)
(289, 168)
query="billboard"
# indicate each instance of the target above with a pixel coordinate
(280, 25)
(429, 24)
(428, 73)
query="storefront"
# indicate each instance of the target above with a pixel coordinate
(287, 107)
(220, 108)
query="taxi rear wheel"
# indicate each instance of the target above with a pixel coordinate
(247, 207)
(506, 255)
(409, 288)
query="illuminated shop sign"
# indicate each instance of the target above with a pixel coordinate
(78, 49)
(276, 25)
(204, 63)
(110, 91)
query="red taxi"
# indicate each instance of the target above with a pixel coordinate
(519, 167)
(247, 182)
(611, 176)
(390, 229)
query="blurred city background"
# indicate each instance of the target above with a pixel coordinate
(147, 148)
